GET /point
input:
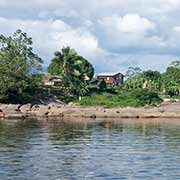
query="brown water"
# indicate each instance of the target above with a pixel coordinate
(89, 150)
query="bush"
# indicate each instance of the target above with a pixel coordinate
(133, 98)
(147, 97)
(172, 91)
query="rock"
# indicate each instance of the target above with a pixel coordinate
(169, 100)
(11, 111)
(147, 106)
(161, 110)
(35, 108)
(59, 102)
(40, 113)
(1, 114)
(93, 116)
(10, 107)
(177, 100)
(55, 105)
(40, 110)
(72, 104)
(14, 116)
(55, 114)
(25, 108)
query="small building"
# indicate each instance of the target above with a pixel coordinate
(52, 80)
(111, 79)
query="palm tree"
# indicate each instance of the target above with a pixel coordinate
(74, 70)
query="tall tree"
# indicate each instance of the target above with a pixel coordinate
(74, 70)
(175, 64)
(152, 80)
(17, 62)
(133, 71)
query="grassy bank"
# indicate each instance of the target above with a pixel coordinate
(135, 98)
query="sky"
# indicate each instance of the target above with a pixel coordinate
(112, 34)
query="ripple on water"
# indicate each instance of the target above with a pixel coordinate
(137, 150)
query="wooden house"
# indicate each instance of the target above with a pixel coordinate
(111, 79)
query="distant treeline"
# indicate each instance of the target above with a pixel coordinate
(20, 78)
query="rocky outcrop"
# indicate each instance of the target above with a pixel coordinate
(166, 110)
(25, 108)
(11, 111)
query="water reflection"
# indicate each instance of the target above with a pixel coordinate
(89, 149)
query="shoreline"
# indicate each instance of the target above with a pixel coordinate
(11, 111)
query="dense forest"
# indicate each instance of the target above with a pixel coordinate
(21, 80)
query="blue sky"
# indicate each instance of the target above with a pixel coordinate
(111, 34)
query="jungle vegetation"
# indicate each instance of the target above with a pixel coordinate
(21, 78)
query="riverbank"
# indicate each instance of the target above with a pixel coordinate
(165, 110)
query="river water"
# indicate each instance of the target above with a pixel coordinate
(90, 150)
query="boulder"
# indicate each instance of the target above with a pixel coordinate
(55, 105)
(1, 113)
(25, 108)
(40, 110)
(12, 115)
(10, 107)
(55, 113)
(72, 104)
(35, 108)
(169, 100)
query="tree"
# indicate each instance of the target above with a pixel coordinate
(172, 75)
(171, 80)
(17, 63)
(175, 64)
(74, 70)
(134, 82)
(151, 75)
(133, 71)
(146, 80)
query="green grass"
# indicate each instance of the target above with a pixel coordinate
(109, 100)
(135, 98)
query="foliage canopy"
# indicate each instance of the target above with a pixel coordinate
(17, 63)
(74, 70)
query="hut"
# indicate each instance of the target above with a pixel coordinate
(111, 78)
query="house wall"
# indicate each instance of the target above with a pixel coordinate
(119, 78)
(108, 79)
(113, 80)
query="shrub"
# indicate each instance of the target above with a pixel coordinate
(133, 98)
(172, 91)
(147, 97)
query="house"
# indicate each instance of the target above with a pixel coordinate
(52, 80)
(111, 79)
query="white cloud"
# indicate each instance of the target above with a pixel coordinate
(133, 23)
(106, 32)
(131, 34)
(84, 42)
(31, 3)
(50, 36)
(130, 23)
(176, 29)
